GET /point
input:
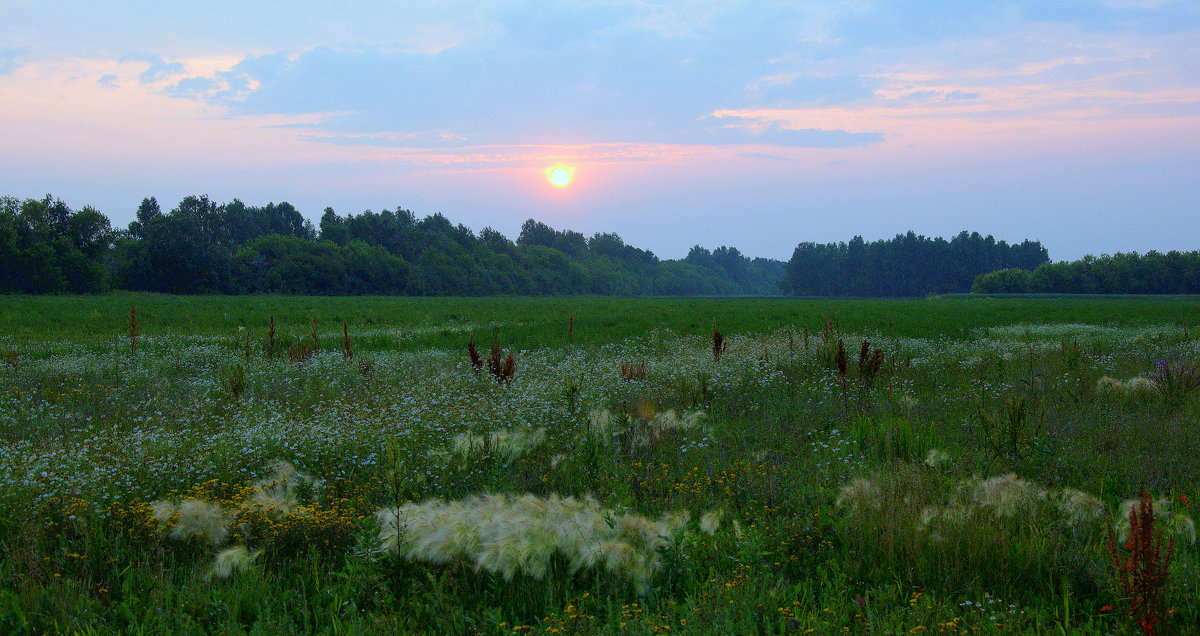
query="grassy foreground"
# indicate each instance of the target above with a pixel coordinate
(195, 474)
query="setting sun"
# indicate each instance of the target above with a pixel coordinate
(560, 177)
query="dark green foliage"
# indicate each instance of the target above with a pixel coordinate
(187, 251)
(202, 247)
(195, 248)
(278, 264)
(45, 247)
(907, 265)
(1122, 273)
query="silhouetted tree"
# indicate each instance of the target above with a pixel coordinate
(907, 265)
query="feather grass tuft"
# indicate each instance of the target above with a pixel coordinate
(512, 536)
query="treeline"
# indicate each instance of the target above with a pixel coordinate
(907, 265)
(1122, 273)
(201, 246)
(47, 247)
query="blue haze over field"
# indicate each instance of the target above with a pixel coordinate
(757, 125)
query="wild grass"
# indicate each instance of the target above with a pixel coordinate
(348, 466)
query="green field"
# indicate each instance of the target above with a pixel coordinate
(194, 474)
(543, 321)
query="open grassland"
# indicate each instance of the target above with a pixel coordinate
(181, 469)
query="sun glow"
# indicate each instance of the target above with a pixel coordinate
(560, 177)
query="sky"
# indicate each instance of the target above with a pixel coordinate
(757, 125)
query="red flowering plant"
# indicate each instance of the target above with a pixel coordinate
(1140, 566)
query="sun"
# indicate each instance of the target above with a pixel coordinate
(560, 177)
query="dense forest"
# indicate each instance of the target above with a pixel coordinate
(1122, 273)
(907, 265)
(201, 246)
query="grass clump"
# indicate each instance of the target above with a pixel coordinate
(274, 511)
(1179, 524)
(521, 535)
(193, 519)
(235, 559)
(1132, 387)
(509, 445)
(644, 426)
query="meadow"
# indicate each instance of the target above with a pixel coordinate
(276, 464)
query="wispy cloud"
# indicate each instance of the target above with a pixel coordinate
(1072, 81)
(481, 96)
(8, 59)
(157, 70)
(764, 155)
(507, 156)
(618, 72)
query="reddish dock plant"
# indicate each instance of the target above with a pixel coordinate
(1141, 568)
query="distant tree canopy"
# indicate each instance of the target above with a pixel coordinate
(204, 247)
(907, 265)
(201, 246)
(1122, 273)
